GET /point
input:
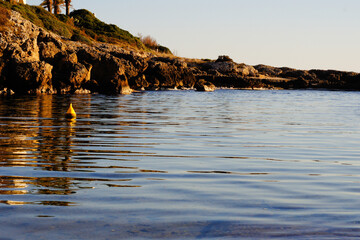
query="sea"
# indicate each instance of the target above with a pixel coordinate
(228, 164)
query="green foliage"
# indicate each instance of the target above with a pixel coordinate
(163, 49)
(41, 18)
(151, 43)
(78, 36)
(64, 19)
(81, 25)
(53, 24)
(95, 28)
(224, 58)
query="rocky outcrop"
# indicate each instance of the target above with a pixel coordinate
(204, 86)
(165, 73)
(293, 78)
(35, 61)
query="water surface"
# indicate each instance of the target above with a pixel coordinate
(181, 165)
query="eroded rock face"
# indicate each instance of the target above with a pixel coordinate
(62, 66)
(34, 61)
(30, 77)
(204, 86)
(168, 73)
(22, 43)
(300, 79)
(226, 68)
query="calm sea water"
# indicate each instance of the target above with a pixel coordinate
(181, 165)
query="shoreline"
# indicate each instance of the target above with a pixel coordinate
(36, 61)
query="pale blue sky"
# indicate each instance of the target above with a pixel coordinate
(302, 34)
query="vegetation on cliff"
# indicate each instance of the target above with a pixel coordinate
(80, 25)
(86, 21)
(41, 18)
(4, 18)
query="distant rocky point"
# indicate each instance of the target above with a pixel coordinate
(36, 61)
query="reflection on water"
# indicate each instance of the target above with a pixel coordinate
(227, 164)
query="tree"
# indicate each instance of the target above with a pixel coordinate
(57, 5)
(67, 6)
(53, 5)
(47, 4)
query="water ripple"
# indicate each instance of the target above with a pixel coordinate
(229, 164)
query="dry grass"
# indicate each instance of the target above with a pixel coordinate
(148, 41)
(4, 18)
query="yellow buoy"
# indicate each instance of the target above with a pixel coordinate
(70, 114)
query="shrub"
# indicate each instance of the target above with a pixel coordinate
(151, 43)
(148, 41)
(65, 19)
(79, 36)
(53, 24)
(163, 49)
(101, 38)
(28, 13)
(4, 18)
(41, 18)
(224, 58)
(84, 19)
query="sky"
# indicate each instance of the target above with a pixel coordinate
(301, 34)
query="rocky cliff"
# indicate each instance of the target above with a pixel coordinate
(35, 61)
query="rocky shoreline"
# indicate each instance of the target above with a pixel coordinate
(35, 61)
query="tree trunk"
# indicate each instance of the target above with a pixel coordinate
(67, 5)
(49, 5)
(56, 7)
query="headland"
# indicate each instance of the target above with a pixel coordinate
(45, 54)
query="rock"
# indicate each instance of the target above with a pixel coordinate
(31, 77)
(110, 74)
(268, 70)
(2, 72)
(246, 70)
(69, 74)
(140, 82)
(82, 91)
(48, 51)
(204, 86)
(6, 92)
(223, 67)
(23, 44)
(33, 60)
(166, 74)
(226, 68)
